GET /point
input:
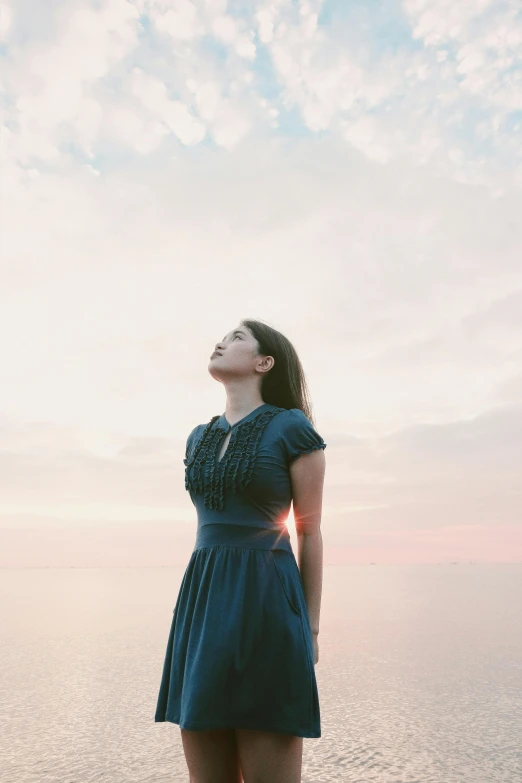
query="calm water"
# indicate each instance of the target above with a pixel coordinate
(420, 675)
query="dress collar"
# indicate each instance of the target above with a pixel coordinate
(223, 423)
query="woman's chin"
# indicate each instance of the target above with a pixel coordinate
(213, 371)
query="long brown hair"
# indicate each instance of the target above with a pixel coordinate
(285, 384)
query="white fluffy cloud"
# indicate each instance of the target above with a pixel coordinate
(169, 167)
(53, 104)
(6, 18)
(174, 114)
(453, 103)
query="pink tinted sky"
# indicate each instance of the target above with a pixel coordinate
(154, 195)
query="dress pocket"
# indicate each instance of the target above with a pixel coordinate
(285, 578)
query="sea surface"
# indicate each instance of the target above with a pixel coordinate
(419, 677)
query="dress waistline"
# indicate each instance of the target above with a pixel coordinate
(226, 534)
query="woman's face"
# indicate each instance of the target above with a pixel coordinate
(236, 354)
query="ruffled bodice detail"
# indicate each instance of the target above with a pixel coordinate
(205, 475)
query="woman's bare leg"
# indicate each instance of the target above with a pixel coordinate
(269, 757)
(211, 756)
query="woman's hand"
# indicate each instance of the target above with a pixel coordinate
(316, 647)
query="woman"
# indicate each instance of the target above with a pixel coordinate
(239, 674)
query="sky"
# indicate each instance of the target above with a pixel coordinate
(348, 172)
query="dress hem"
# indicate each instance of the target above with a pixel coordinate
(257, 727)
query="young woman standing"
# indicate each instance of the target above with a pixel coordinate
(238, 676)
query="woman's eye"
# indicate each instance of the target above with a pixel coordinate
(237, 335)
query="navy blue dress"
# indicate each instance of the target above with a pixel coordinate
(240, 651)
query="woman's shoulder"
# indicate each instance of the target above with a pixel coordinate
(292, 418)
(296, 416)
(195, 430)
(196, 433)
(298, 434)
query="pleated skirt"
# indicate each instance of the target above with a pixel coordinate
(240, 652)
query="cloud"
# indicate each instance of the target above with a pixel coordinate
(406, 262)
(403, 484)
(6, 20)
(485, 39)
(350, 173)
(174, 114)
(180, 20)
(55, 79)
(433, 83)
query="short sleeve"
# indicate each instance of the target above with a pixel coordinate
(299, 436)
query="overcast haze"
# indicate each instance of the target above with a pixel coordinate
(349, 172)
